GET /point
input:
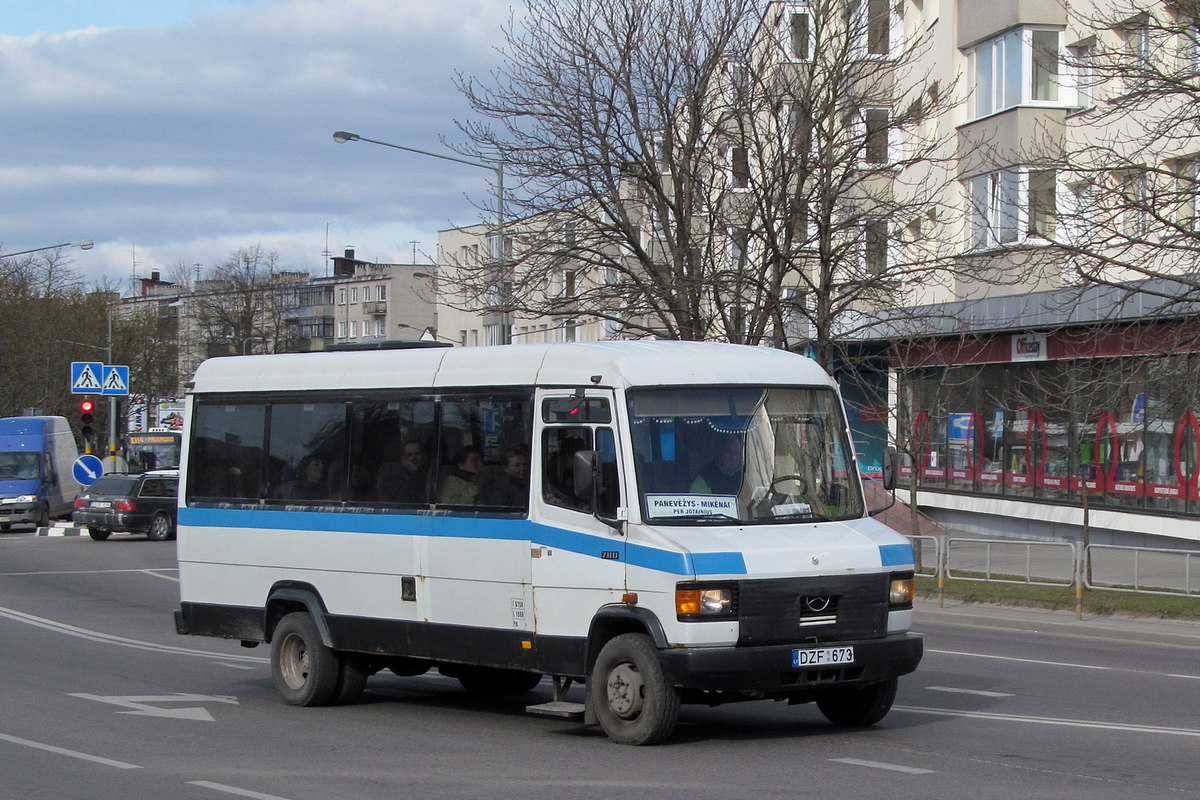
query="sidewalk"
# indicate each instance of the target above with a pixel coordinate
(1062, 622)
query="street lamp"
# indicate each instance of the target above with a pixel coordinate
(341, 137)
(86, 244)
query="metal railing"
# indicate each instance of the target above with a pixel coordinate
(1109, 568)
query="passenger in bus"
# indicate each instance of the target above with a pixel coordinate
(723, 475)
(461, 486)
(310, 481)
(362, 482)
(510, 489)
(408, 480)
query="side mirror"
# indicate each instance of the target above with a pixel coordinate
(891, 460)
(596, 482)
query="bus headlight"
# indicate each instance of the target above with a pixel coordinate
(901, 590)
(701, 602)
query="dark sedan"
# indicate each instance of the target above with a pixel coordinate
(128, 503)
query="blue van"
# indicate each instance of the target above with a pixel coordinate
(36, 481)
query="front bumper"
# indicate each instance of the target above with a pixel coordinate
(18, 513)
(769, 669)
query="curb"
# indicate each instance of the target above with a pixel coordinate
(60, 529)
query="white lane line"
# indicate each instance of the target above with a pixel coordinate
(1020, 660)
(1124, 727)
(858, 762)
(62, 751)
(88, 572)
(107, 638)
(156, 574)
(220, 787)
(975, 692)
(1185, 677)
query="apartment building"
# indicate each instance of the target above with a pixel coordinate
(998, 197)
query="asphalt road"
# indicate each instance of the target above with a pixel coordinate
(102, 700)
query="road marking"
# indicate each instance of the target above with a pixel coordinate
(49, 748)
(220, 787)
(148, 571)
(975, 692)
(1020, 660)
(155, 574)
(140, 704)
(858, 762)
(107, 638)
(1124, 727)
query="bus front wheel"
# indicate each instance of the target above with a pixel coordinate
(305, 671)
(632, 699)
(857, 707)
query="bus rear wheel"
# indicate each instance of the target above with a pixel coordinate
(858, 707)
(629, 692)
(305, 671)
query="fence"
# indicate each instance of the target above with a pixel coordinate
(1109, 568)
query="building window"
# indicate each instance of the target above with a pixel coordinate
(366, 294)
(739, 248)
(1022, 67)
(354, 329)
(341, 297)
(875, 248)
(1139, 48)
(1082, 58)
(380, 328)
(1135, 191)
(1043, 204)
(1046, 59)
(739, 168)
(341, 330)
(1010, 205)
(381, 293)
(876, 136)
(798, 32)
(353, 294)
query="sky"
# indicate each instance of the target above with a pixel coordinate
(174, 132)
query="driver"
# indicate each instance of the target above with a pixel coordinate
(723, 475)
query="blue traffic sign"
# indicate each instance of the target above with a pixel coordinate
(116, 380)
(87, 469)
(86, 377)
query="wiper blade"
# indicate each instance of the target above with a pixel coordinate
(706, 515)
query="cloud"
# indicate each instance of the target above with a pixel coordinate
(195, 139)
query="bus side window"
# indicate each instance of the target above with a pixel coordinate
(559, 446)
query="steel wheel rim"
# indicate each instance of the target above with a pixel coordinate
(626, 691)
(293, 661)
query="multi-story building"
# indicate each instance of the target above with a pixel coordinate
(1010, 188)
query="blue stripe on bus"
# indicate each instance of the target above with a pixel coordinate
(895, 555)
(675, 563)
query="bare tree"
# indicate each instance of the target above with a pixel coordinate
(719, 170)
(243, 303)
(1132, 219)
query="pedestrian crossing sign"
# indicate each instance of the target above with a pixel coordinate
(116, 380)
(86, 377)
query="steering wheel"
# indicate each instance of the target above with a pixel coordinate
(798, 479)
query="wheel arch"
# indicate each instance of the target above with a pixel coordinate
(611, 621)
(285, 598)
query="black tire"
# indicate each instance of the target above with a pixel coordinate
(160, 527)
(98, 534)
(305, 671)
(633, 701)
(858, 707)
(352, 679)
(493, 681)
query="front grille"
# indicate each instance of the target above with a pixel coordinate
(812, 610)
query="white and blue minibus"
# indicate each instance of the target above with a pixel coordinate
(663, 522)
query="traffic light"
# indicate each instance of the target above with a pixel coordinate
(86, 418)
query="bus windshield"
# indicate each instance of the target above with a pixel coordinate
(153, 450)
(742, 454)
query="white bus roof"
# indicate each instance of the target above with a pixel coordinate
(618, 364)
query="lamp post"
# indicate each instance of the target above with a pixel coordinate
(86, 244)
(341, 137)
